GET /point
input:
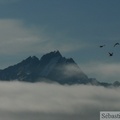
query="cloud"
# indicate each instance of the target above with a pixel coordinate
(71, 70)
(16, 38)
(109, 72)
(34, 101)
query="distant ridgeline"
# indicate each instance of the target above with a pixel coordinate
(52, 67)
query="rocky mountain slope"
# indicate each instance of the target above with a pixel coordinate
(52, 67)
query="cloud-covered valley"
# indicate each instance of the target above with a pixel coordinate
(43, 101)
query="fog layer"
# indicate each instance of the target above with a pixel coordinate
(43, 101)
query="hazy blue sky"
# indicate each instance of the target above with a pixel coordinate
(74, 27)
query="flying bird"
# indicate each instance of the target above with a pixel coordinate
(110, 54)
(116, 44)
(102, 46)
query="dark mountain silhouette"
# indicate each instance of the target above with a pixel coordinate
(52, 67)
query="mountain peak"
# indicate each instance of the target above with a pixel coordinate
(52, 66)
(53, 54)
(30, 59)
(47, 57)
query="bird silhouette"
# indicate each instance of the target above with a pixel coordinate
(116, 44)
(110, 54)
(102, 46)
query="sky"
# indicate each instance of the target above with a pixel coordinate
(74, 27)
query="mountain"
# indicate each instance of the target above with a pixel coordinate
(52, 67)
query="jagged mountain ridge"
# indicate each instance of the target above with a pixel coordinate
(52, 67)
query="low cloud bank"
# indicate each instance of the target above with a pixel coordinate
(43, 101)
